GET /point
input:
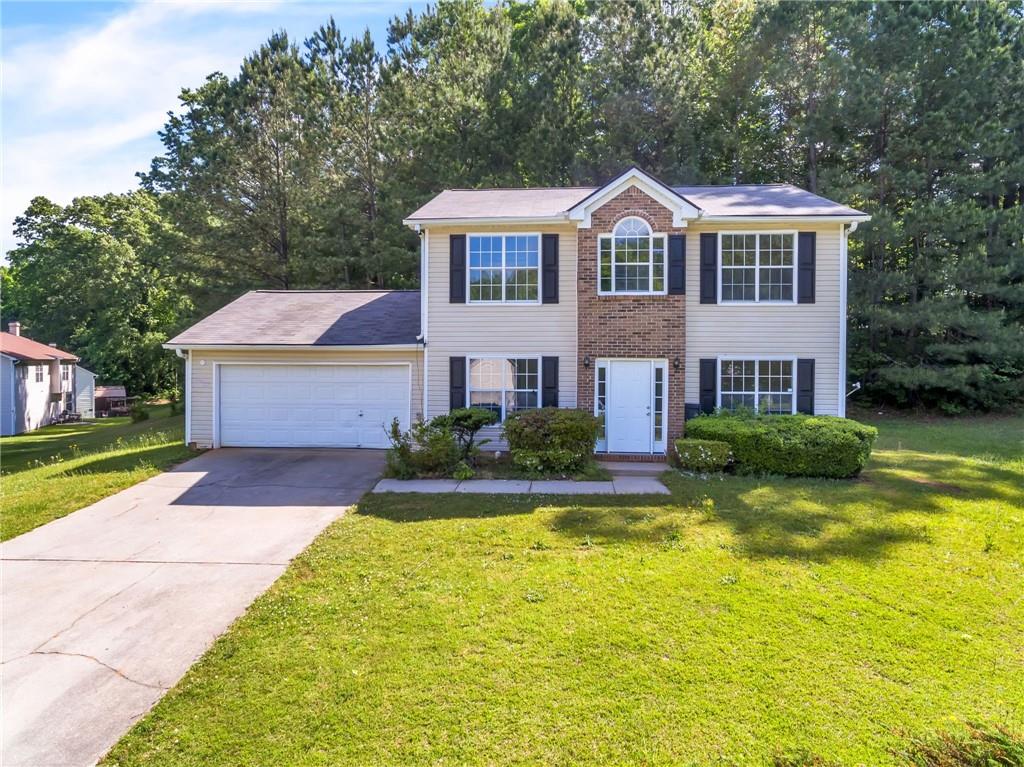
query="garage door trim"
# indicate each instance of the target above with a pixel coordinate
(297, 363)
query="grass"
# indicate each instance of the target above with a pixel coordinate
(739, 621)
(50, 472)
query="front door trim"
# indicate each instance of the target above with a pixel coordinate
(654, 446)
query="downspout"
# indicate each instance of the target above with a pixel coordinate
(844, 234)
(424, 314)
(188, 394)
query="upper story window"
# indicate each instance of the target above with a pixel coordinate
(504, 268)
(758, 266)
(65, 372)
(39, 373)
(631, 259)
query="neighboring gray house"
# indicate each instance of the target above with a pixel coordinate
(85, 392)
(37, 382)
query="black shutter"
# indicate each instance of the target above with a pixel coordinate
(456, 382)
(456, 268)
(806, 247)
(549, 268)
(677, 264)
(805, 386)
(708, 384)
(709, 268)
(549, 388)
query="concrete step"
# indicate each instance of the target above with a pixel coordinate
(634, 468)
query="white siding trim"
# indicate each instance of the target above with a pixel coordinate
(844, 235)
(188, 398)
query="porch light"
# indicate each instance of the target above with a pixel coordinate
(675, 364)
(586, 361)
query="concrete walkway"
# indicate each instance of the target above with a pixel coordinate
(106, 609)
(617, 486)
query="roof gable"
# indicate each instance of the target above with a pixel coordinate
(682, 209)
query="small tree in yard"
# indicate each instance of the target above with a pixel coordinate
(465, 423)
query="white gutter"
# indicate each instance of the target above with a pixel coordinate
(782, 219)
(294, 347)
(561, 218)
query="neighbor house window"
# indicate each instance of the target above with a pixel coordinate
(504, 267)
(764, 386)
(631, 259)
(504, 385)
(758, 267)
(65, 371)
(39, 373)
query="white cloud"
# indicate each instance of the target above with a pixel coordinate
(81, 109)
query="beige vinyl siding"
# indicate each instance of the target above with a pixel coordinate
(467, 330)
(203, 364)
(754, 330)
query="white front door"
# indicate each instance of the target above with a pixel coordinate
(628, 413)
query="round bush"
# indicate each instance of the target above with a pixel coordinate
(791, 445)
(551, 440)
(702, 455)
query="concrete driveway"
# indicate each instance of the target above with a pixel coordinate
(105, 609)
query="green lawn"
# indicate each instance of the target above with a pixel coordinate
(53, 471)
(739, 620)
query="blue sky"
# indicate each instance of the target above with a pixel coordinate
(86, 86)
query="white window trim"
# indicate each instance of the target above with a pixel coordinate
(658, 447)
(650, 262)
(504, 391)
(503, 235)
(757, 360)
(39, 376)
(757, 267)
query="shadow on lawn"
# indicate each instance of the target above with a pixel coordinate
(864, 519)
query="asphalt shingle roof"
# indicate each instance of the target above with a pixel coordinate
(23, 348)
(742, 200)
(311, 318)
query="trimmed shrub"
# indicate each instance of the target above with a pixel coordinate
(791, 445)
(551, 440)
(702, 455)
(428, 449)
(464, 423)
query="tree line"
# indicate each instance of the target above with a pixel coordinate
(296, 171)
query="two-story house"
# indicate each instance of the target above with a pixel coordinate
(643, 303)
(37, 382)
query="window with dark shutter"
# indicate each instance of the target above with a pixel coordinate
(806, 258)
(708, 381)
(805, 386)
(709, 268)
(549, 373)
(456, 382)
(457, 268)
(677, 264)
(549, 268)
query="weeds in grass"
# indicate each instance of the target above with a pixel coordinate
(980, 746)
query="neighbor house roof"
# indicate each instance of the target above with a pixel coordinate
(26, 349)
(747, 200)
(310, 318)
(116, 391)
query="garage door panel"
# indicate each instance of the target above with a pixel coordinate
(311, 405)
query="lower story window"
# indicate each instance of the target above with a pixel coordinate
(504, 385)
(602, 405)
(764, 386)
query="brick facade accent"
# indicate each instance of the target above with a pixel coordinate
(641, 327)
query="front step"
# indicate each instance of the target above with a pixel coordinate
(634, 468)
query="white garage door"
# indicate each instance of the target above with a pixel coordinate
(311, 405)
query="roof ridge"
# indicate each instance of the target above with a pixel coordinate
(516, 188)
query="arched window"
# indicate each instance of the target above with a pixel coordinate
(631, 259)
